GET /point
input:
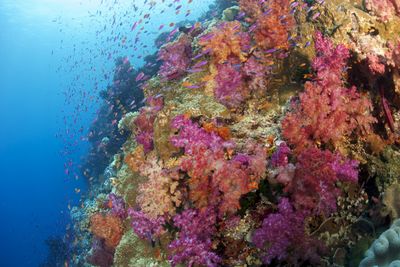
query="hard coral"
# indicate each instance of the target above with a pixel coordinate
(194, 244)
(226, 40)
(176, 58)
(107, 227)
(384, 251)
(327, 112)
(282, 236)
(313, 187)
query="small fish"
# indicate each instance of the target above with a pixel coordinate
(270, 51)
(172, 24)
(194, 70)
(139, 76)
(161, 26)
(206, 37)
(307, 44)
(316, 15)
(134, 26)
(200, 64)
(174, 31)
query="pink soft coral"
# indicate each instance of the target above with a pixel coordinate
(176, 58)
(145, 227)
(384, 9)
(327, 112)
(158, 195)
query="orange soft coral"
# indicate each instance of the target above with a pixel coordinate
(107, 227)
(135, 159)
(273, 26)
(158, 195)
(226, 40)
(223, 131)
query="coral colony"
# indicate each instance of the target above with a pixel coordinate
(269, 136)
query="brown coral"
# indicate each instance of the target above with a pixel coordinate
(107, 227)
(391, 199)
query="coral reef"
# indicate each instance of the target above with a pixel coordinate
(269, 135)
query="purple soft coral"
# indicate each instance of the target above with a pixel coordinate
(176, 58)
(281, 155)
(230, 89)
(145, 227)
(282, 237)
(194, 245)
(117, 206)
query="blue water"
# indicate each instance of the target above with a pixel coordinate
(50, 53)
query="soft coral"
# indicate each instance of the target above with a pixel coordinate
(327, 112)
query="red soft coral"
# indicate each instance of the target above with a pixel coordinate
(213, 177)
(144, 122)
(313, 187)
(327, 112)
(273, 26)
(107, 227)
